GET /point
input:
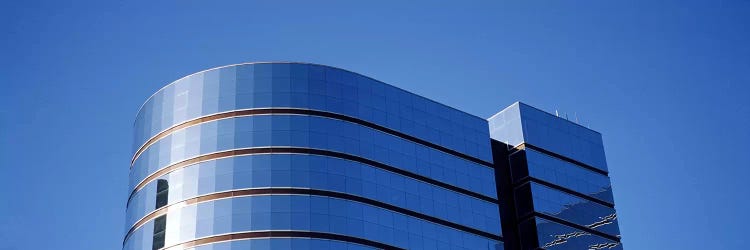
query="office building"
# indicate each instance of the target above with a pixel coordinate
(559, 194)
(305, 156)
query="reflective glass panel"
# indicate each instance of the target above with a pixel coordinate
(313, 132)
(322, 173)
(554, 236)
(310, 87)
(319, 213)
(521, 123)
(568, 175)
(574, 209)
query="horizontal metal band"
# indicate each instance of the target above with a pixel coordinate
(522, 146)
(301, 191)
(289, 150)
(569, 224)
(267, 111)
(528, 179)
(279, 234)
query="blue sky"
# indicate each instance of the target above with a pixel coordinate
(666, 82)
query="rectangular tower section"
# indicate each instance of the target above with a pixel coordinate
(557, 178)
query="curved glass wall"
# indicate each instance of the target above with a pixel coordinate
(383, 167)
(313, 87)
(306, 213)
(320, 173)
(285, 243)
(313, 132)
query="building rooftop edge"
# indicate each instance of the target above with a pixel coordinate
(545, 112)
(293, 62)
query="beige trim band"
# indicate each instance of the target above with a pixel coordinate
(267, 111)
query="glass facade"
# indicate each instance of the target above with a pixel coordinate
(521, 123)
(561, 190)
(552, 202)
(560, 237)
(305, 156)
(565, 174)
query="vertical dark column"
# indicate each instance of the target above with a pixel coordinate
(504, 182)
(524, 205)
(160, 226)
(160, 223)
(162, 193)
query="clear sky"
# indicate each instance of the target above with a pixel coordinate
(666, 82)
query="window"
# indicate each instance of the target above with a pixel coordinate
(160, 223)
(162, 193)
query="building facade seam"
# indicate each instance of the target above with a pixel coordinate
(235, 236)
(525, 145)
(528, 179)
(534, 214)
(298, 111)
(299, 150)
(302, 191)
